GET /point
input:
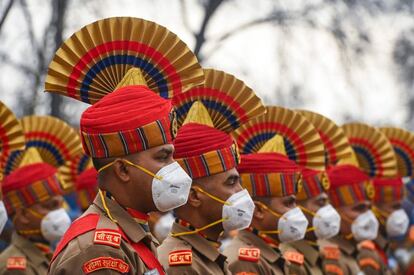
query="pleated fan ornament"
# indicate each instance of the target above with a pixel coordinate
(206, 116)
(336, 143)
(95, 59)
(374, 152)
(11, 135)
(55, 141)
(301, 140)
(392, 189)
(127, 68)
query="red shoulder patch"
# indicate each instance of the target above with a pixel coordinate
(107, 237)
(331, 252)
(105, 263)
(367, 245)
(180, 257)
(331, 268)
(249, 254)
(16, 263)
(294, 257)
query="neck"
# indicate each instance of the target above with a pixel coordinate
(310, 236)
(213, 233)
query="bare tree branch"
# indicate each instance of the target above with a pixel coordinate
(6, 12)
(184, 16)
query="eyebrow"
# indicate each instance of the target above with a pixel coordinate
(165, 150)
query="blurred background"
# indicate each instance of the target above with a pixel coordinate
(349, 60)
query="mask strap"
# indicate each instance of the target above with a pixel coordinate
(145, 170)
(268, 209)
(31, 231)
(270, 231)
(198, 229)
(381, 215)
(310, 212)
(107, 211)
(211, 196)
(345, 218)
(35, 213)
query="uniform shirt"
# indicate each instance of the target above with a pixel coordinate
(23, 257)
(247, 253)
(304, 256)
(190, 254)
(349, 253)
(369, 259)
(84, 255)
(331, 255)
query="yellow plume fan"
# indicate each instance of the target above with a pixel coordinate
(70, 171)
(301, 140)
(403, 143)
(53, 138)
(373, 150)
(198, 114)
(11, 133)
(333, 137)
(95, 59)
(228, 100)
(274, 145)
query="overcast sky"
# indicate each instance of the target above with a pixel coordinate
(370, 92)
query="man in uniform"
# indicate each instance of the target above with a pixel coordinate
(128, 135)
(33, 198)
(350, 194)
(86, 187)
(209, 154)
(269, 172)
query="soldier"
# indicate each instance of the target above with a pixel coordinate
(377, 158)
(273, 179)
(321, 256)
(33, 198)
(86, 187)
(350, 195)
(209, 154)
(128, 74)
(11, 139)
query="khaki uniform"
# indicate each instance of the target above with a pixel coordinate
(303, 255)
(190, 254)
(349, 254)
(23, 257)
(369, 260)
(249, 254)
(87, 253)
(331, 255)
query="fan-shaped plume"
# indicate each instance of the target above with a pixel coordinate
(11, 134)
(336, 143)
(95, 59)
(229, 101)
(54, 139)
(73, 168)
(302, 142)
(374, 152)
(403, 143)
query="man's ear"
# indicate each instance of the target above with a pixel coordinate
(22, 216)
(194, 199)
(258, 211)
(121, 170)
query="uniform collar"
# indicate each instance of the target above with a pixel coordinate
(134, 230)
(310, 253)
(269, 253)
(196, 241)
(346, 246)
(28, 248)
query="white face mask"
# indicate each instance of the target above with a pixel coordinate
(365, 226)
(292, 226)
(3, 216)
(326, 222)
(172, 188)
(54, 225)
(397, 223)
(163, 226)
(238, 211)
